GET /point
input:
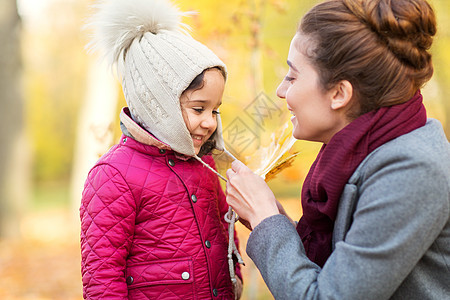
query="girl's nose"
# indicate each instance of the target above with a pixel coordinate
(281, 90)
(209, 122)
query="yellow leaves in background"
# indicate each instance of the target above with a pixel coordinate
(272, 158)
(251, 37)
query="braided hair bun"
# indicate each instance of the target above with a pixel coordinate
(406, 26)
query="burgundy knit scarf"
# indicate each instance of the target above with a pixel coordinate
(338, 160)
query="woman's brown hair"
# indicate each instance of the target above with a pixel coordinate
(380, 46)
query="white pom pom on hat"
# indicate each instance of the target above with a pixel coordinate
(116, 23)
(157, 61)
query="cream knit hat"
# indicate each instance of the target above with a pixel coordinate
(157, 61)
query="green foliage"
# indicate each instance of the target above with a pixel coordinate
(49, 195)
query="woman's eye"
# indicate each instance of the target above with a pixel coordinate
(289, 79)
(216, 112)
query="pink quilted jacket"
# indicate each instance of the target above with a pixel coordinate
(152, 227)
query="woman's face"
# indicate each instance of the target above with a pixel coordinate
(200, 107)
(313, 117)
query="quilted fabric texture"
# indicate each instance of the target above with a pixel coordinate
(152, 227)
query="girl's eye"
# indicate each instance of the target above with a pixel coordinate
(216, 112)
(199, 109)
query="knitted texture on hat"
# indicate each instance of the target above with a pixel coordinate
(157, 61)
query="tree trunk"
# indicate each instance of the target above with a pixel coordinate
(95, 126)
(14, 163)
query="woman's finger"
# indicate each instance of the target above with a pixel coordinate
(239, 167)
(230, 173)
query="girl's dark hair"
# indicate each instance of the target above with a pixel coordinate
(198, 81)
(197, 84)
(380, 46)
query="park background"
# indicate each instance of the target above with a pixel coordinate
(60, 113)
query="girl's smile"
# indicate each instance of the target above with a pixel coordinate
(198, 140)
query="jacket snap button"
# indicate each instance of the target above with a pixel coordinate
(194, 198)
(171, 162)
(215, 292)
(208, 244)
(125, 140)
(185, 275)
(162, 151)
(130, 280)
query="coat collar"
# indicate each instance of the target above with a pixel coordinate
(138, 133)
(133, 130)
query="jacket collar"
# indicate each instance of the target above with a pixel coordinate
(138, 133)
(131, 129)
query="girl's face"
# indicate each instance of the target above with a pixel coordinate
(313, 117)
(200, 107)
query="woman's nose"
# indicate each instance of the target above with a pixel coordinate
(281, 90)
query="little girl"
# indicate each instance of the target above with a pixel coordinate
(152, 214)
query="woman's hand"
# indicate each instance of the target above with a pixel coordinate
(238, 288)
(249, 195)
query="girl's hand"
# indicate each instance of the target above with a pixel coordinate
(249, 195)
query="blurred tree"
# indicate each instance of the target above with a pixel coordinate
(95, 132)
(54, 70)
(13, 152)
(95, 125)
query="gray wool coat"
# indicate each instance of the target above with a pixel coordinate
(392, 233)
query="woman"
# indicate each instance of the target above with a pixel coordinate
(375, 221)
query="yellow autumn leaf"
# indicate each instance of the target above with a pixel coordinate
(282, 164)
(269, 158)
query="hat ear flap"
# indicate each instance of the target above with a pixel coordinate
(217, 136)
